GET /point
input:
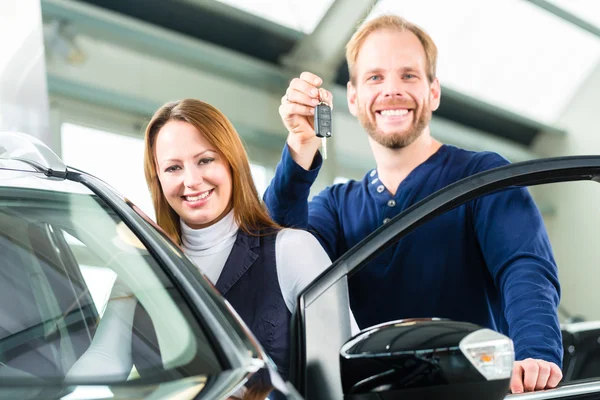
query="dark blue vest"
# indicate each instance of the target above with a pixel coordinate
(249, 282)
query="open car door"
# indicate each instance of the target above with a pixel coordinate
(322, 319)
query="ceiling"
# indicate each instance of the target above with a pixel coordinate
(507, 67)
(511, 53)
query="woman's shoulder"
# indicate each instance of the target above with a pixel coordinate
(287, 237)
(300, 255)
(298, 242)
(291, 236)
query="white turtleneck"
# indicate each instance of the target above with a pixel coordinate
(209, 247)
(298, 255)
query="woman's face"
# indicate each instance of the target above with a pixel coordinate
(194, 177)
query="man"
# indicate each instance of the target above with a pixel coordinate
(488, 262)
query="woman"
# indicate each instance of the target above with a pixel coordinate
(205, 199)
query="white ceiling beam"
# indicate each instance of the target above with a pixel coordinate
(150, 39)
(567, 16)
(323, 50)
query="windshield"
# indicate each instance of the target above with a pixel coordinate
(81, 298)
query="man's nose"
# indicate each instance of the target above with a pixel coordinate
(393, 87)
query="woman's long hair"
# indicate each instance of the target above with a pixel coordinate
(249, 213)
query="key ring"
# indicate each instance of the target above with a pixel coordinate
(320, 98)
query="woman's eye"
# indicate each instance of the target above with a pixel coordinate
(172, 168)
(205, 161)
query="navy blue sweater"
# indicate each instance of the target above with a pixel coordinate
(488, 262)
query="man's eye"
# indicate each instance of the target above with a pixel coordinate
(172, 168)
(409, 76)
(374, 77)
(203, 161)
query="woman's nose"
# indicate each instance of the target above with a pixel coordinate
(192, 179)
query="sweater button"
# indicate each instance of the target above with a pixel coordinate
(392, 203)
(380, 188)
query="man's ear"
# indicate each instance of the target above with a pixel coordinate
(351, 97)
(435, 94)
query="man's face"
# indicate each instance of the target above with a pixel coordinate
(392, 97)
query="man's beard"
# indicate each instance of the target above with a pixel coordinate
(396, 140)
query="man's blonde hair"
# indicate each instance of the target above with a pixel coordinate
(392, 22)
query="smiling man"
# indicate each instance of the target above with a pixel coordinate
(488, 262)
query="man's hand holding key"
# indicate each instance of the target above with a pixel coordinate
(297, 112)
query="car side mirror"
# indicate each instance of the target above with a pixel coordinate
(426, 359)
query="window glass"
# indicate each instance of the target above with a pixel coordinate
(261, 180)
(81, 298)
(118, 160)
(115, 158)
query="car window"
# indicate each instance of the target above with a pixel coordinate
(99, 279)
(560, 231)
(82, 299)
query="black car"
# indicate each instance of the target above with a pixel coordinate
(96, 302)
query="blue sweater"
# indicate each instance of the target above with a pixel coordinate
(488, 262)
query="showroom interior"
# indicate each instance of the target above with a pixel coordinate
(518, 77)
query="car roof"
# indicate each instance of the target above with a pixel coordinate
(19, 151)
(36, 180)
(26, 162)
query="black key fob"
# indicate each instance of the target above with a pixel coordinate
(323, 120)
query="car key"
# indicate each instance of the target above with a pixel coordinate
(322, 125)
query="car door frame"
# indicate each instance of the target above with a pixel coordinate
(312, 367)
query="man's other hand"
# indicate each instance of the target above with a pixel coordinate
(530, 375)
